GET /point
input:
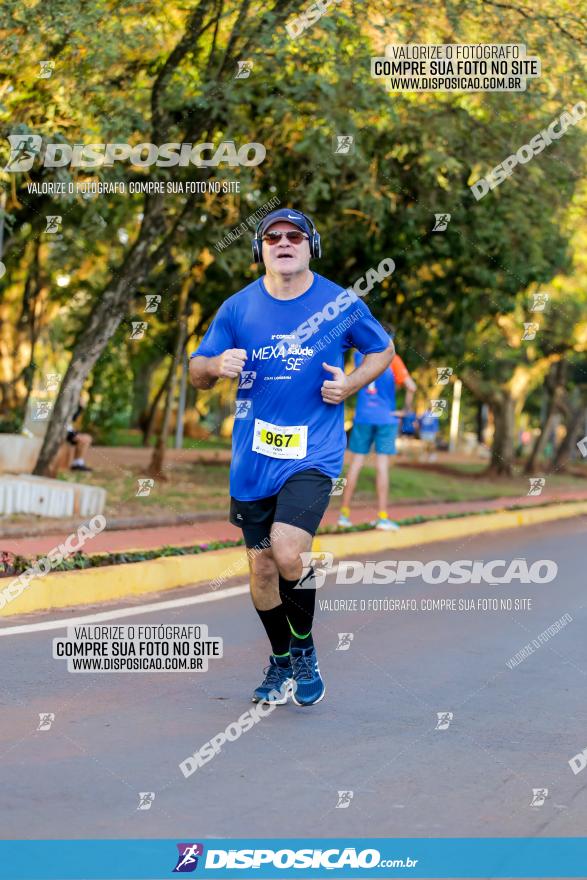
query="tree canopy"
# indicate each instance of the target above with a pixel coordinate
(154, 73)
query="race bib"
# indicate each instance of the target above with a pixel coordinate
(280, 441)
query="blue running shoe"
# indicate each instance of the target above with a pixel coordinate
(308, 685)
(277, 684)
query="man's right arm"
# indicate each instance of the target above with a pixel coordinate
(205, 371)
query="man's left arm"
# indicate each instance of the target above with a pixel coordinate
(342, 385)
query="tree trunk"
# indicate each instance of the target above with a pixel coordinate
(28, 324)
(502, 449)
(158, 458)
(142, 377)
(481, 421)
(574, 425)
(104, 319)
(532, 465)
(556, 388)
(148, 423)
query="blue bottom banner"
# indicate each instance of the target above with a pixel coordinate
(306, 858)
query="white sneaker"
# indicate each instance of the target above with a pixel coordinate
(385, 524)
(344, 521)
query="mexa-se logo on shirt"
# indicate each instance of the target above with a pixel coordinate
(293, 355)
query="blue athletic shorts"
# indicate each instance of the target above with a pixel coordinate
(363, 437)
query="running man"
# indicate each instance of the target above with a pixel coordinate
(376, 422)
(284, 337)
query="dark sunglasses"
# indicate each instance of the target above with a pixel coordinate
(295, 237)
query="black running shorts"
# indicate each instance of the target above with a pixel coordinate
(301, 502)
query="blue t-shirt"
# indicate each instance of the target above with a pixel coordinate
(282, 425)
(376, 401)
(409, 424)
(428, 423)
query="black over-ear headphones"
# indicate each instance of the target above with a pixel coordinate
(314, 240)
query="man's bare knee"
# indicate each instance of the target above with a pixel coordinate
(262, 565)
(287, 542)
(289, 563)
(264, 579)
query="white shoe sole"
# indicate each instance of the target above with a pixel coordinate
(281, 702)
(304, 705)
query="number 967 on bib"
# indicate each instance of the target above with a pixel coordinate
(280, 441)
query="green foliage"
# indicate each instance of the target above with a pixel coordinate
(110, 394)
(120, 77)
(11, 423)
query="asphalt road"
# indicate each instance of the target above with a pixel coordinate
(511, 731)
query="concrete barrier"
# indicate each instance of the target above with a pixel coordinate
(18, 454)
(45, 497)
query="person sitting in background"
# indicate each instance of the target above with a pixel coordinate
(81, 443)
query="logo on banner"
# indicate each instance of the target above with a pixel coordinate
(344, 799)
(138, 329)
(243, 409)
(53, 222)
(344, 641)
(443, 374)
(536, 485)
(53, 381)
(344, 143)
(531, 328)
(42, 409)
(145, 486)
(338, 485)
(246, 379)
(152, 302)
(146, 799)
(444, 719)
(539, 795)
(46, 719)
(539, 302)
(187, 860)
(438, 407)
(321, 563)
(441, 222)
(244, 69)
(46, 71)
(23, 149)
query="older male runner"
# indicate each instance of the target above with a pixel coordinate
(284, 338)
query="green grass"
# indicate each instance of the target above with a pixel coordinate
(472, 467)
(419, 485)
(133, 437)
(189, 488)
(203, 487)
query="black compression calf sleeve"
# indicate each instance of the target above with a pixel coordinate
(299, 603)
(277, 629)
